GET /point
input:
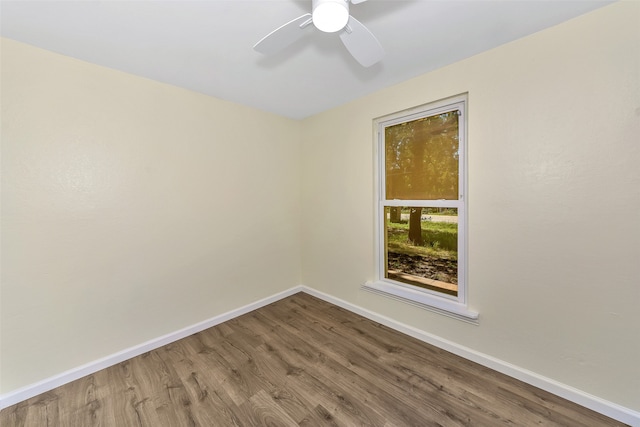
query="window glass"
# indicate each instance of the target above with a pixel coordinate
(421, 247)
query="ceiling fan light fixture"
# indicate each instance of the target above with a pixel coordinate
(330, 15)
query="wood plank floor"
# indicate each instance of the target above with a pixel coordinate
(298, 362)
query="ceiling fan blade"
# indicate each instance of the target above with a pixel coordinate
(361, 43)
(283, 36)
(358, 1)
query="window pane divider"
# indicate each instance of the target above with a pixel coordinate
(424, 203)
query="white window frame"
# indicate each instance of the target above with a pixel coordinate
(449, 305)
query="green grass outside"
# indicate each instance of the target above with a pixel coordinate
(440, 239)
(440, 211)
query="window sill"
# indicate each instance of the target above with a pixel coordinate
(423, 300)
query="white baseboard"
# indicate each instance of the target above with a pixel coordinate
(610, 409)
(602, 406)
(48, 384)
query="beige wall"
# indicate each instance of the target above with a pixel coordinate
(132, 209)
(554, 208)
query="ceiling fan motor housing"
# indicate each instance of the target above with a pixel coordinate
(330, 15)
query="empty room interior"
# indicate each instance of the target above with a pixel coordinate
(155, 187)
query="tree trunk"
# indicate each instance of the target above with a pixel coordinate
(415, 227)
(395, 216)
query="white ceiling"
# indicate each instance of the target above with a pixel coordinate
(206, 45)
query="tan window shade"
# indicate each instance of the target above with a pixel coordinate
(422, 158)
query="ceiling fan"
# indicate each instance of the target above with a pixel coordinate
(330, 16)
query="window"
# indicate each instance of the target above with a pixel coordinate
(421, 207)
